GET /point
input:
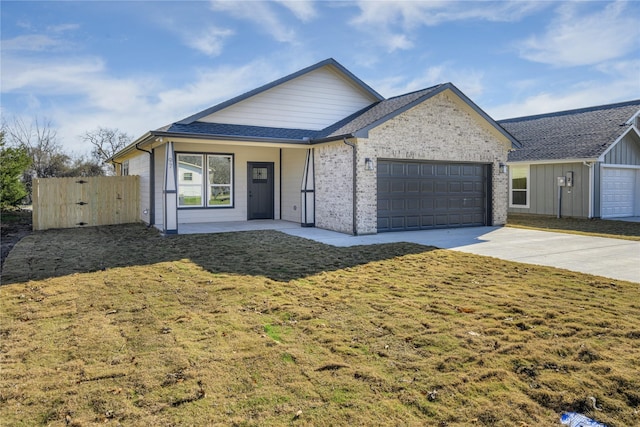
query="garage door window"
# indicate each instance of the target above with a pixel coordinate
(519, 186)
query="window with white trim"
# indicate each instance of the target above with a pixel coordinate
(125, 168)
(519, 186)
(205, 180)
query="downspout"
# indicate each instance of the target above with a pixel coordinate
(591, 187)
(152, 199)
(353, 149)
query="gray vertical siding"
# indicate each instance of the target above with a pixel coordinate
(544, 190)
(625, 152)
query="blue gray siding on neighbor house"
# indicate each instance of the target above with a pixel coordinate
(625, 152)
(544, 198)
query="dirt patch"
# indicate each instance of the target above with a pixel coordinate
(118, 325)
(592, 227)
(14, 225)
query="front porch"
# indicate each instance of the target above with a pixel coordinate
(234, 226)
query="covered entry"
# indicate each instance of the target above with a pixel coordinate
(414, 195)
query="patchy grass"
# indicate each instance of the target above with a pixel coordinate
(116, 325)
(592, 227)
(14, 225)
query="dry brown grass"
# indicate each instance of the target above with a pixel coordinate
(592, 227)
(262, 328)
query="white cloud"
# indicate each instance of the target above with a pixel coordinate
(210, 42)
(620, 83)
(34, 43)
(392, 23)
(304, 10)
(573, 39)
(91, 97)
(260, 13)
(63, 27)
(468, 81)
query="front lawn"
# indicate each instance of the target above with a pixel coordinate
(120, 326)
(591, 227)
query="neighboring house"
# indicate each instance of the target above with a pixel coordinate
(594, 151)
(321, 148)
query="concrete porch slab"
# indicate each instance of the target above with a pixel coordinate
(233, 226)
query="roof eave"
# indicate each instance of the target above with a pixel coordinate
(236, 138)
(553, 161)
(631, 128)
(333, 138)
(363, 132)
(135, 145)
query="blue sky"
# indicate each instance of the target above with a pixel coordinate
(138, 65)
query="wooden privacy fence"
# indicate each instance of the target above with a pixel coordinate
(86, 201)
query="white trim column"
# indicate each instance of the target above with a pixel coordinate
(170, 193)
(308, 193)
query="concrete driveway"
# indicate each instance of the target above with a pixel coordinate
(613, 258)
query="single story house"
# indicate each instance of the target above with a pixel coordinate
(578, 163)
(321, 148)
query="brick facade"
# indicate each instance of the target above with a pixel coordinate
(443, 128)
(334, 187)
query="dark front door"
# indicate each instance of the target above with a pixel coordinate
(260, 190)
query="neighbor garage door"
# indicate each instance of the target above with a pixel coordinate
(422, 195)
(618, 192)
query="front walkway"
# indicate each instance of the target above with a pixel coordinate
(613, 258)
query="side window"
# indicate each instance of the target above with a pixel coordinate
(190, 180)
(125, 168)
(220, 180)
(519, 186)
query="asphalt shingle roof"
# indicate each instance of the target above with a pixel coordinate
(223, 129)
(347, 126)
(576, 134)
(377, 112)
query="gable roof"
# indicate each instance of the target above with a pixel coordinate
(355, 125)
(327, 62)
(381, 112)
(585, 133)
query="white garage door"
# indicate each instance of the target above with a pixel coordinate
(618, 192)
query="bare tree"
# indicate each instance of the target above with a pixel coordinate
(40, 140)
(106, 142)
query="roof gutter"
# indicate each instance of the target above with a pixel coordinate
(551, 161)
(303, 141)
(353, 210)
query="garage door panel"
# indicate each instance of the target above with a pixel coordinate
(398, 186)
(398, 222)
(398, 205)
(469, 170)
(413, 170)
(421, 195)
(427, 221)
(427, 186)
(397, 169)
(427, 169)
(383, 169)
(413, 186)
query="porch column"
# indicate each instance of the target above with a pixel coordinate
(170, 193)
(308, 201)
